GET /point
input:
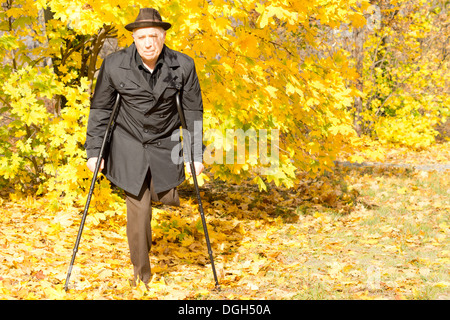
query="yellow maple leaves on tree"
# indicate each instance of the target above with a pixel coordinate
(276, 72)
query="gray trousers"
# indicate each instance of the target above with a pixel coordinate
(139, 228)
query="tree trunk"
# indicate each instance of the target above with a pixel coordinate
(358, 54)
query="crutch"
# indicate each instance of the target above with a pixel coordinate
(106, 140)
(187, 147)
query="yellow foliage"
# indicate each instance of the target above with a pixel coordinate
(406, 78)
(262, 66)
(406, 131)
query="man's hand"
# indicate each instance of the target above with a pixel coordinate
(92, 162)
(198, 168)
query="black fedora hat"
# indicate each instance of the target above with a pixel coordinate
(148, 17)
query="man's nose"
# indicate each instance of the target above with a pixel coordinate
(148, 42)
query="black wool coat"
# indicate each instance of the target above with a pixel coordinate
(146, 135)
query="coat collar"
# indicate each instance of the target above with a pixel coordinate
(169, 57)
(166, 79)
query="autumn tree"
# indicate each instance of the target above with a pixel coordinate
(406, 72)
(259, 68)
(264, 67)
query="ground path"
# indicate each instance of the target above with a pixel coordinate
(421, 167)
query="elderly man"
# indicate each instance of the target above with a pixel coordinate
(141, 160)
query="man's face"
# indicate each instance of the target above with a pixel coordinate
(149, 43)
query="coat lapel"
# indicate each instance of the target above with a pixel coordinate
(132, 72)
(167, 78)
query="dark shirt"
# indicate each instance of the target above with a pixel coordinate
(151, 77)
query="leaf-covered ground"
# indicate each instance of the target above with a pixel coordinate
(358, 233)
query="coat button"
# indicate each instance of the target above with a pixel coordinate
(159, 143)
(161, 116)
(146, 130)
(145, 146)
